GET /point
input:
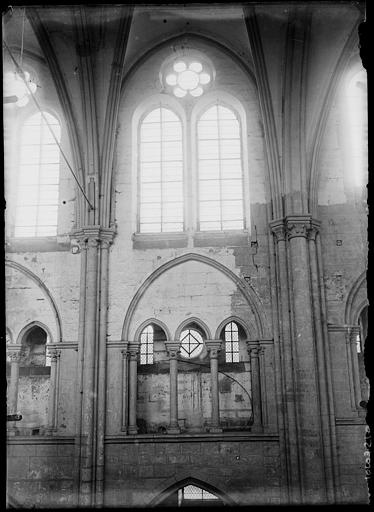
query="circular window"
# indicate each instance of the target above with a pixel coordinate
(188, 75)
(191, 343)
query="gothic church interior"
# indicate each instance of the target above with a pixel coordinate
(186, 253)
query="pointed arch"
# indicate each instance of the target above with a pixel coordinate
(193, 320)
(160, 324)
(174, 487)
(246, 289)
(354, 305)
(24, 332)
(43, 287)
(235, 319)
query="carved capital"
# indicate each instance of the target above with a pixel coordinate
(313, 230)
(172, 348)
(213, 347)
(124, 353)
(15, 356)
(133, 351)
(54, 354)
(93, 236)
(254, 350)
(298, 226)
(278, 229)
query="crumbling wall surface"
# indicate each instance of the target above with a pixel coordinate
(40, 472)
(248, 471)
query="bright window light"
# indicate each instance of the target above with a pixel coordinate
(161, 173)
(146, 345)
(191, 343)
(232, 343)
(188, 78)
(357, 112)
(37, 192)
(220, 170)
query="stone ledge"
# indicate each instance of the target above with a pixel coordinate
(16, 440)
(350, 421)
(186, 438)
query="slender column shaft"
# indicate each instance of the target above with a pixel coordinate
(321, 363)
(13, 387)
(88, 404)
(54, 354)
(355, 369)
(101, 379)
(125, 390)
(214, 347)
(133, 385)
(291, 431)
(254, 353)
(313, 476)
(173, 351)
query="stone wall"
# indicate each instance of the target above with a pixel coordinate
(246, 470)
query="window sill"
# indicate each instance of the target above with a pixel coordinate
(159, 240)
(220, 238)
(38, 244)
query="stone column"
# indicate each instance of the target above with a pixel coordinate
(125, 390)
(254, 356)
(133, 350)
(15, 358)
(54, 355)
(321, 344)
(287, 357)
(352, 333)
(314, 478)
(213, 347)
(173, 351)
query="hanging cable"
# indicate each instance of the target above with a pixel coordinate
(22, 74)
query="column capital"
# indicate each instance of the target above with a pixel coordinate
(93, 235)
(254, 349)
(53, 353)
(297, 226)
(278, 229)
(133, 350)
(213, 347)
(172, 348)
(314, 229)
(14, 355)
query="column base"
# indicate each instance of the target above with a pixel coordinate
(215, 430)
(133, 430)
(173, 430)
(257, 429)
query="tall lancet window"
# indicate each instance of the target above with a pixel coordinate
(161, 173)
(220, 173)
(39, 166)
(146, 345)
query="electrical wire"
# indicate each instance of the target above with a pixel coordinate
(22, 74)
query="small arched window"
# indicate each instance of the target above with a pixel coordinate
(146, 345)
(232, 334)
(34, 347)
(37, 198)
(220, 172)
(161, 172)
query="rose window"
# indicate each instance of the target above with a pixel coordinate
(188, 77)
